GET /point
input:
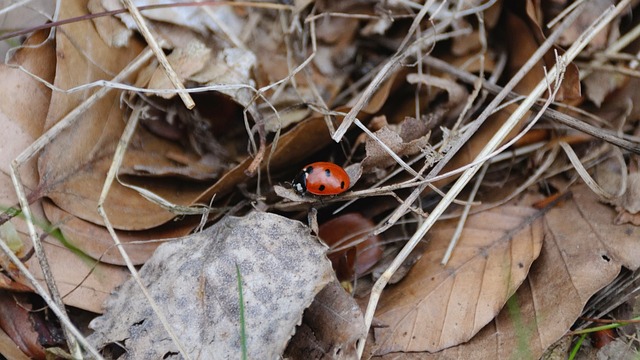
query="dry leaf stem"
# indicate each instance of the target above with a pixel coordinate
(493, 144)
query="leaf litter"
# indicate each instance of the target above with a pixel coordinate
(274, 84)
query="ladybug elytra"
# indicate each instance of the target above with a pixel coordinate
(321, 178)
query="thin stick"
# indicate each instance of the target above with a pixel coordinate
(56, 300)
(495, 141)
(153, 44)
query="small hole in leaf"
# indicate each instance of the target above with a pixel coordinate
(113, 350)
(605, 258)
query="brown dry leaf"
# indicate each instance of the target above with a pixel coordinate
(82, 282)
(330, 328)
(199, 19)
(195, 281)
(583, 251)
(377, 157)
(525, 35)
(111, 30)
(95, 241)
(599, 84)
(74, 164)
(592, 10)
(9, 349)
(452, 303)
(186, 61)
(202, 64)
(29, 329)
(23, 109)
(152, 156)
(626, 200)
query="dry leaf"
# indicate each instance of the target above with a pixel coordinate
(111, 30)
(582, 252)
(525, 35)
(330, 328)
(28, 328)
(457, 94)
(452, 303)
(199, 19)
(627, 202)
(95, 241)
(82, 282)
(73, 166)
(10, 349)
(152, 156)
(592, 10)
(23, 109)
(194, 281)
(599, 84)
(377, 157)
(206, 65)
(187, 60)
(354, 248)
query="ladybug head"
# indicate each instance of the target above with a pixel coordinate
(299, 183)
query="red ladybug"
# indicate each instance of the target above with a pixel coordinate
(321, 178)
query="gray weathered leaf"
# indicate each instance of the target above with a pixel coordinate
(194, 282)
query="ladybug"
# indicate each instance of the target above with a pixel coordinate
(321, 178)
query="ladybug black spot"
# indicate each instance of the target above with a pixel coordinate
(327, 173)
(309, 169)
(321, 188)
(342, 185)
